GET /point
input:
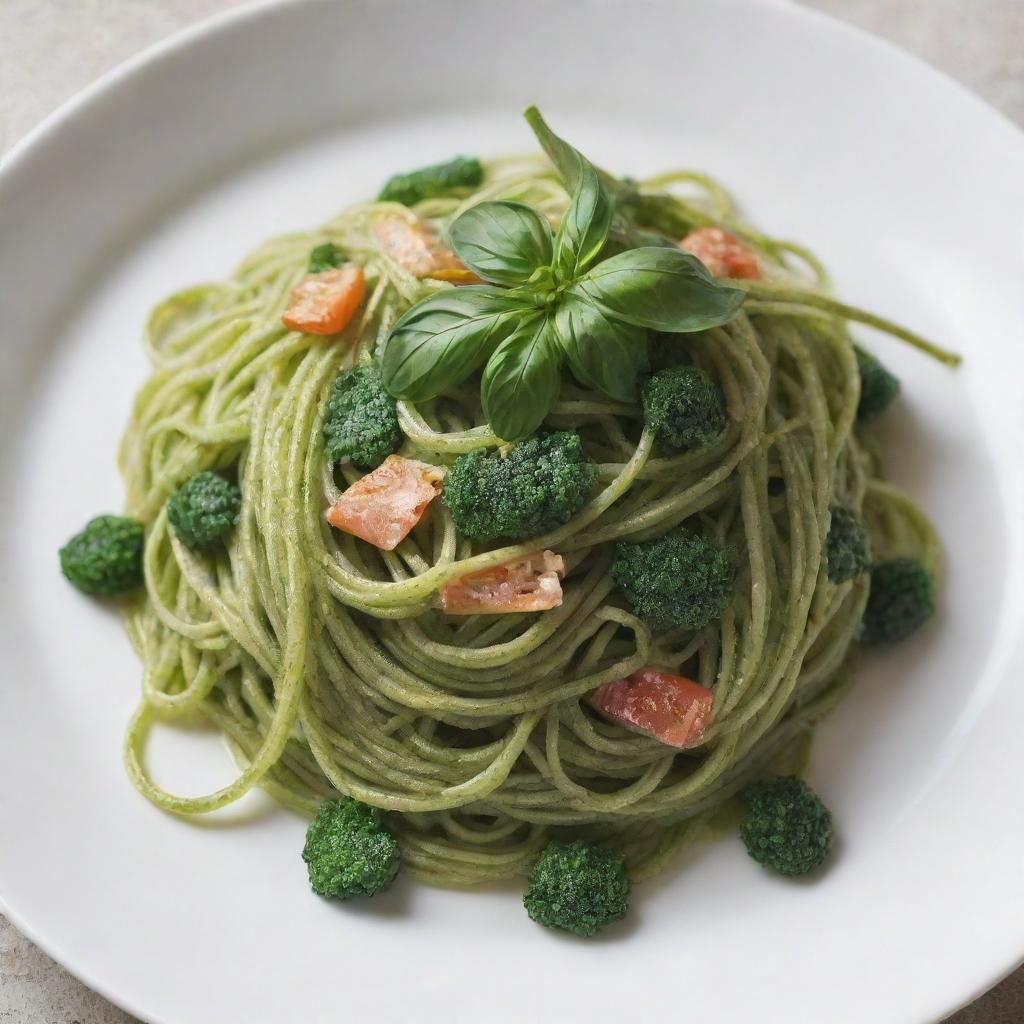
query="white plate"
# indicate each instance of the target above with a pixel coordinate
(269, 120)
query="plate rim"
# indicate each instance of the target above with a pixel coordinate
(165, 49)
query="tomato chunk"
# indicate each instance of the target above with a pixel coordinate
(411, 247)
(324, 303)
(670, 708)
(386, 504)
(722, 253)
(528, 584)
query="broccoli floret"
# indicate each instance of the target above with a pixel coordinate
(349, 850)
(681, 579)
(435, 180)
(538, 485)
(902, 599)
(203, 509)
(361, 420)
(787, 827)
(685, 406)
(326, 256)
(577, 887)
(878, 387)
(106, 557)
(847, 545)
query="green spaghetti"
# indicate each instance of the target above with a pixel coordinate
(330, 665)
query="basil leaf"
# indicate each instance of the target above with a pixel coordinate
(584, 228)
(664, 289)
(443, 339)
(585, 225)
(503, 242)
(566, 158)
(602, 352)
(521, 380)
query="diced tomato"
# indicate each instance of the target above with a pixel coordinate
(324, 303)
(528, 584)
(722, 253)
(386, 504)
(670, 708)
(415, 250)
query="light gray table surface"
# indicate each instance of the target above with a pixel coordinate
(49, 49)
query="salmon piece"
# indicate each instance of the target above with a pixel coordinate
(672, 709)
(324, 303)
(722, 253)
(386, 504)
(411, 247)
(527, 584)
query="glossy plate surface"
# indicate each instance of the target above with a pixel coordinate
(266, 121)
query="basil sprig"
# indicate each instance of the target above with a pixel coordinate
(551, 300)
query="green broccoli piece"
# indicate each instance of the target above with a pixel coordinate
(361, 420)
(681, 579)
(349, 850)
(326, 256)
(435, 180)
(902, 599)
(786, 827)
(106, 557)
(538, 485)
(204, 509)
(685, 406)
(847, 545)
(577, 887)
(878, 387)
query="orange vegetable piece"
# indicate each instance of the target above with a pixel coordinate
(672, 709)
(324, 303)
(386, 504)
(411, 247)
(722, 253)
(527, 584)
(455, 275)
